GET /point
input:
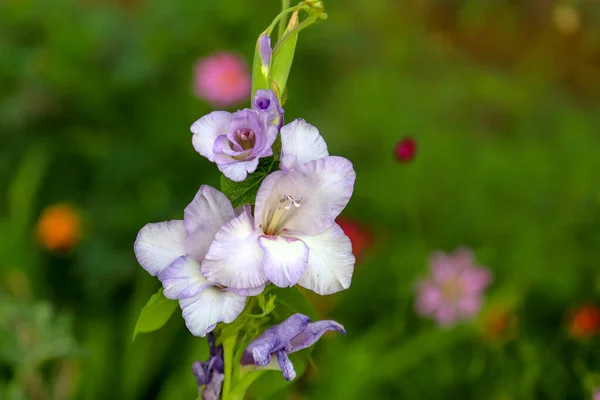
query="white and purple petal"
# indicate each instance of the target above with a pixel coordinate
(206, 129)
(247, 292)
(213, 305)
(320, 189)
(285, 259)
(234, 258)
(301, 143)
(330, 261)
(235, 170)
(182, 279)
(203, 217)
(159, 244)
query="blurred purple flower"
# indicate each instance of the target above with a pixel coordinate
(210, 374)
(222, 79)
(597, 394)
(293, 334)
(455, 289)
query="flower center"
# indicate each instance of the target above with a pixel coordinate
(285, 210)
(452, 290)
(246, 138)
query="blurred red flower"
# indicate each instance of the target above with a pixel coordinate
(359, 235)
(585, 321)
(405, 149)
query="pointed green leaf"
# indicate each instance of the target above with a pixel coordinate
(240, 193)
(155, 313)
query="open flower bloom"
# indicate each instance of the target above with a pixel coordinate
(210, 374)
(292, 238)
(455, 290)
(173, 251)
(236, 141)
(293, 334)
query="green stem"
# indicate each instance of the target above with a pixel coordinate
(243, 385)
(285, 4)
(228, 350)
(283, 14)
(304, 24)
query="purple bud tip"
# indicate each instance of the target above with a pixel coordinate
(263, 103)
(264, 47)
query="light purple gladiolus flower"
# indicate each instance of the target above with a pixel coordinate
(293, 334)
(292, 237)
(236, 142)
(173, 251)
(266, 100)
(210, 374)
(455, 289)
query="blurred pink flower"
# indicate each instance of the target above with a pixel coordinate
(455, 289)
(597, 394)
(222, 79)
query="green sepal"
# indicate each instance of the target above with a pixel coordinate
(155, 314)
(283, 57)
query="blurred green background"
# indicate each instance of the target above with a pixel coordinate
(502, 98)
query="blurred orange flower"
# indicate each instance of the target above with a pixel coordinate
(585, 321)
(59, 227)
(500, 324)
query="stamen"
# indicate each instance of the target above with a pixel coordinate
(245, 138)
(282, 214)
